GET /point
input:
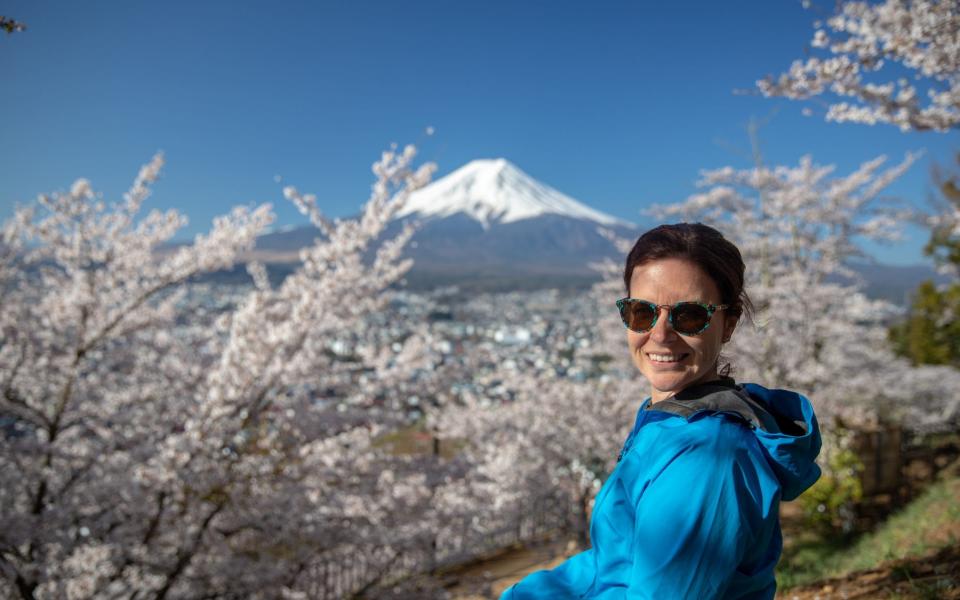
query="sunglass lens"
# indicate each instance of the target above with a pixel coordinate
(638, 316)
(690, 318)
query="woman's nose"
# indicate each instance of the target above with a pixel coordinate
(662, 330)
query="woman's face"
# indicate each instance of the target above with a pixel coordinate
(669, 360)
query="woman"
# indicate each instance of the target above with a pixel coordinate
(692, 508)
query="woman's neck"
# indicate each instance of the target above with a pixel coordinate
(659, 395)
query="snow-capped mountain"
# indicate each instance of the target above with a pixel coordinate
(496, 191)
(489, 225)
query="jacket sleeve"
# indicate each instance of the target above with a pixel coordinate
(696, 520)
(570, 579)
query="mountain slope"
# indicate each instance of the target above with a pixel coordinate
(495, 191)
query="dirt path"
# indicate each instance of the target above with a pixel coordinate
(489, 578)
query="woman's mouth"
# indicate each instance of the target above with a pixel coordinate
(666, 358)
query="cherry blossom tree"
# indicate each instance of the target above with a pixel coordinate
(919, 38)
(895, 62)
(152, 448)
(553, 435)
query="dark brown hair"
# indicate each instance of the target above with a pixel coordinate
(705, 247)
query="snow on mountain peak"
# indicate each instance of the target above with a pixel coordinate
(496, 191)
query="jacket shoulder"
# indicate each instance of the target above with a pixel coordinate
(708, 441)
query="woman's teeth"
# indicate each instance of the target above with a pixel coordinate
(664, 357)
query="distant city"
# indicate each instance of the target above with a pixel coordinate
(543, 332)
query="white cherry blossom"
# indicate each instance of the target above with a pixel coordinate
(914, 44)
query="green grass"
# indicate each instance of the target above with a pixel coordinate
(930, 522)
(807, 558)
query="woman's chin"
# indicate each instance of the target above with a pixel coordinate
(664, 386)
(667, 375)
(668, 384)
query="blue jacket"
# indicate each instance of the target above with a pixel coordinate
(692, 508)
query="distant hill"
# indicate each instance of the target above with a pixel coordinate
(895, 283)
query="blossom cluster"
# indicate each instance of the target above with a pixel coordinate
(915, 42)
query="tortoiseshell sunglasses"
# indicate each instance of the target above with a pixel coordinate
(687, 318)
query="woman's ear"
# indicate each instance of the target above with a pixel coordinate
(729, 324)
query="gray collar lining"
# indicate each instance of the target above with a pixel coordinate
(725, 396)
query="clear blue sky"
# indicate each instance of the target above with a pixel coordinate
(618, 104)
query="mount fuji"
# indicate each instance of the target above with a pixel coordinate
(490, 226)
(495, 191)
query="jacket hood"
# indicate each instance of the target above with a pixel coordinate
(793, 446)
(783, 422)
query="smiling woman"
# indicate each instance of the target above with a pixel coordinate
(671, 356)
(692, 508)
